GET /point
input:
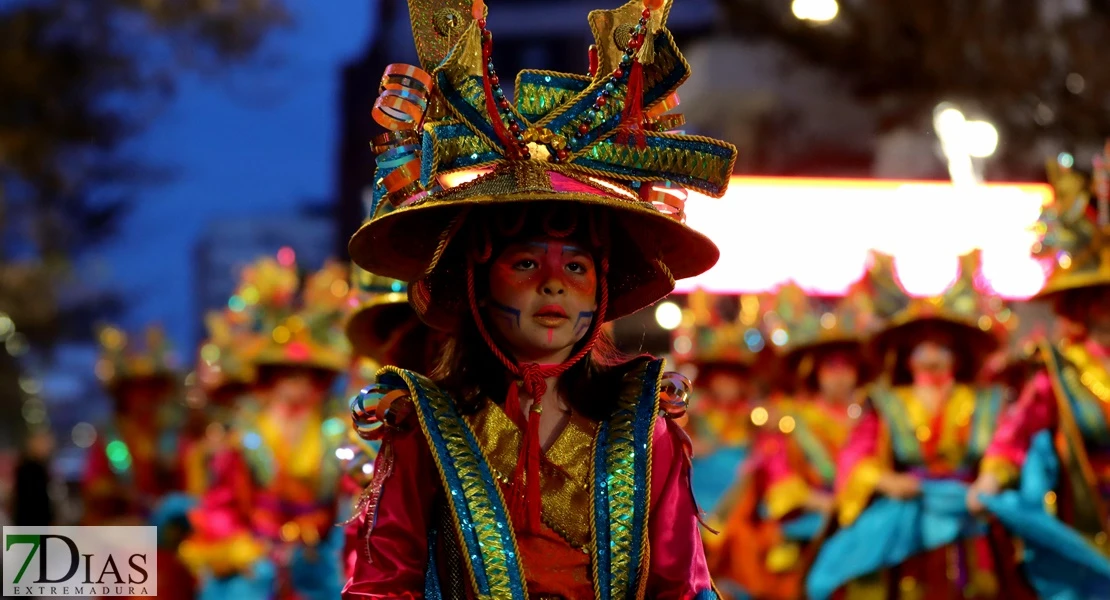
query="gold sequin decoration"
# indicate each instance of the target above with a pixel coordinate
(436, 26)
(654, 159)
(536, 99)
(564, 482)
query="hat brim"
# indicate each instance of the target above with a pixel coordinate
(973, 344)
(1069, 282)
(368, 328)
(315, 357)
(649, 250)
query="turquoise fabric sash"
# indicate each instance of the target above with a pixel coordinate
(1058, 562)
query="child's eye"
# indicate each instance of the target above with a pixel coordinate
(526, 264)
(576, 267)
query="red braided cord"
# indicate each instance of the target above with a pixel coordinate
(525, 502)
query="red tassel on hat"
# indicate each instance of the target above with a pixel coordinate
(632, 118)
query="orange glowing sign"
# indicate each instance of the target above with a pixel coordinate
(819, 231)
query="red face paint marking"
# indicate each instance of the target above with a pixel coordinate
(542, 295)
(547, 261)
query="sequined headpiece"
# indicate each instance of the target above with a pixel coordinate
(224, 357)
(965, 308)
(291, 326)
(706, 337)
(812, 322)
(1075, 235)
(601, 140)
(379, 305)
(123, 359)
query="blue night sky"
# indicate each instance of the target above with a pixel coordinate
(253, 143)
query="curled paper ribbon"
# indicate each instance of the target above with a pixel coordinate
(407, 76)
(663, 106)
(400, 107)
(668, 122)
(667, 198)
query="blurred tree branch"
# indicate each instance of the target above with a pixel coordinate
(1034, 67)
(80, 78)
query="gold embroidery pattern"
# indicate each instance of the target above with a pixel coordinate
(565, 480)
(451, 440)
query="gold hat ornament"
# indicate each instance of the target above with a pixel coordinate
(123, 359)
(380, 305)
(600, 141)
(224, 356)
(976, 318)
(293, 326)
(813, 323)
(1074, 235)
(706, 337)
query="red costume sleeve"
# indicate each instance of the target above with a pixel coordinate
(399, 538)
(786, 488)
(1034, 411)
(859, 467)
(678, 568)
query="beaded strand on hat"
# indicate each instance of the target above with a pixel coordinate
(516, 141)
(525, 501)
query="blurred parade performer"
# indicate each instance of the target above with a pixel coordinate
(220, 394)
(920, 437)
(134, 474)
(537, 463)
(719, 354)
(382, 330)
(786, 494)
(1053, 446)
(265, 527)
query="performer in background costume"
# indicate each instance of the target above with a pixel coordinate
(720, 354)
(919, 440)
(266, 526)
(534, 462)
(134, 474)
(786, 494)
(1053, 446)
(383, 330)
(221, 394)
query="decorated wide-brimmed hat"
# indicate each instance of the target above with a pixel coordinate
(1075, 233)
(124, 358)
(818, 324)
(965, 310)
(707, 338)
(379, 306)
(600, 142)
(224, 357)
(292, 326)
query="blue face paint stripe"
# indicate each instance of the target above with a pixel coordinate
(510, 312)
(579, 326)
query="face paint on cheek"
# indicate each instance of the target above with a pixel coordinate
(508, 314)
(583, 323)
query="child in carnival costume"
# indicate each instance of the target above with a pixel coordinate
(1050, 451)
(383, 329)
(266, 525)
(534, 462)
(134, 474)
(720, 355)
(787, 491)
(904, 530)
